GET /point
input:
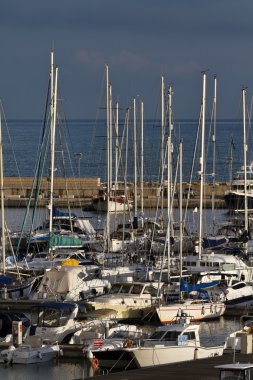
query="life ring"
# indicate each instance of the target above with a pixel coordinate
(128, 343)
(95, 363)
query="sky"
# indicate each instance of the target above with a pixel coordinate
(140, 40)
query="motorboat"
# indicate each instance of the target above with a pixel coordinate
(118, 201)
(32, 351)
(129, 300)
(239, 294)
(173, 343)
(108, 351)
(69, 283)
(235, 197)
(218, 266)
(54, 321)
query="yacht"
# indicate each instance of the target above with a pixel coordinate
(234, 198)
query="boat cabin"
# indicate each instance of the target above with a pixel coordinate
(236, 371)
(54, 320)
(133, 289)
(182, 333)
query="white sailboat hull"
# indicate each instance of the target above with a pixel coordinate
(196, 311)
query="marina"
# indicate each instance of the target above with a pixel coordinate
(126, 191)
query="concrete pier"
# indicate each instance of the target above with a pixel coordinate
(78, 192)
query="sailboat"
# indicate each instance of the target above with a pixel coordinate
(113, 196)
(197, 307)
(13, 285)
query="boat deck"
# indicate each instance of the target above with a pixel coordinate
(203, 369)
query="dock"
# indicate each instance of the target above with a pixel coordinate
(202, 369)
(79, 192)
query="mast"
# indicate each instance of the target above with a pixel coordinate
(135, 161)
(180, 210)
(2, 198)
(202, 165)
(214, 150)
(162, 145)
(245, 148)
(108, 157)
(142, 164)
(53, 124)
(169, 176)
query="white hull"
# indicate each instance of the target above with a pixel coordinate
(29, 355)
(196, 312)
(101, 205)
(153, 356)
(124, 311)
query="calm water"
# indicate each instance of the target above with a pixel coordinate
(81, 148)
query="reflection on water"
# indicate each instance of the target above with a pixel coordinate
(215, 332)
(60, 371)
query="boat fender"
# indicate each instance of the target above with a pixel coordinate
(95, 363)
(128, 343)
(39, 355)
(203, 310)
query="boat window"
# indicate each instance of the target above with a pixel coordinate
(119, 335)
(64, 317)
(115, 288)
(202, 263)
(157, 335)
(239, 286)
(50, 318)
(190, 335)
(171, 336)
(150, 290)
(193, 264)
(137, 289)
(125, 288)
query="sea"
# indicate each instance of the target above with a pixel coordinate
(80, 148)
(80, 151)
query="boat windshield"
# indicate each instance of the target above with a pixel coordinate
(137, 289)
(125, 288)
(170, 336)
(124, 334)
(51, 317)
(115, 288)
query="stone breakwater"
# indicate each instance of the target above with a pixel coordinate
(79, 192)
